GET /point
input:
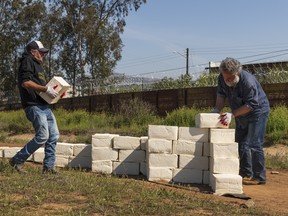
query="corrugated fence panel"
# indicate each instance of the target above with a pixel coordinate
(120, 99)
(163, 100)
(201, 97)
(277, 93)
(101, 103)
(167, 101)
(150, 97)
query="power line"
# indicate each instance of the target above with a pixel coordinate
(161, 58)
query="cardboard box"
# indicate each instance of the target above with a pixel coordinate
(60, 85)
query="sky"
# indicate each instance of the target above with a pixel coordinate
(157, 36)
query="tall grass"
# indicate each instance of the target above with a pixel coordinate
(277, 125)
(131, 117)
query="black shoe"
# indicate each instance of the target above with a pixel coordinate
(49, 171)
(17, 166)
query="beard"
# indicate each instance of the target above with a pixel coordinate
(234, 82)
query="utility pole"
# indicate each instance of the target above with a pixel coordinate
(187, 61)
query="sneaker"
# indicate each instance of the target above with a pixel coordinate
(17, 166)
(49, 171)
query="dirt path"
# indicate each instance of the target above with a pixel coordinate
(273, 196)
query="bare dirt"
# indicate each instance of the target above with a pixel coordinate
(271, 197)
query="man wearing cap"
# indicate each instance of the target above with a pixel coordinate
(31, 82)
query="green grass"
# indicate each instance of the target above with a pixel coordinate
(75, 192)
(278, 161)
(131, 118)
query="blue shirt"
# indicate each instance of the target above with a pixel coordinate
(247, 91)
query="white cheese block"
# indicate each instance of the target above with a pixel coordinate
(10, 152)
(222, 135)
(162, 160)
(64, 149)
(103, 140)
(224, 150)
(59, 85)
(194, 134)
(82, 150)
(208, 120)
(224, 165)
(226, 183)
(104, 154)
(159, 174)
(187, 147)
(163, 132)
(102, 166)
(126, 142)
(159, 146)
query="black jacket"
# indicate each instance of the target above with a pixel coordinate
(30, 69)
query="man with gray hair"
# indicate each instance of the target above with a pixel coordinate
(250, 108)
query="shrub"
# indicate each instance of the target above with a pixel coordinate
(277, 125)
(184, 117)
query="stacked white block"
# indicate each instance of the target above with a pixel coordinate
(144, 146)
(102, 153)
(224, 162)
(160, 158)
(63, 152)
(81, 157)
(120, 155)
(10, 152)
(208, 120)
(130, 155)
(192, 164)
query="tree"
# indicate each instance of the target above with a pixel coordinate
(93, 29)
(18, 24)
(83, 37)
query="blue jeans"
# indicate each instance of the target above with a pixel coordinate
(250, 141)
(46, 132)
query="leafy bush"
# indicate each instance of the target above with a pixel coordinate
(277, 125)
(184, 117)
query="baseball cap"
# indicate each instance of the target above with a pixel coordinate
(36, 45)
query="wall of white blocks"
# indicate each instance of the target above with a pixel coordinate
(206, 154)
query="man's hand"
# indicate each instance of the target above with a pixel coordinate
(51, 92)
(225, 118)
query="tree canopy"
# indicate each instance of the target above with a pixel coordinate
(83, 37)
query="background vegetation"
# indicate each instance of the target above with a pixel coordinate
(76, 192)
(132, 118)
(83, 38)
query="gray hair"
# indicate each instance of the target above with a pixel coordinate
(230, 65)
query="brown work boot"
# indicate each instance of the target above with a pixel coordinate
(251, 181)
(17, 166)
